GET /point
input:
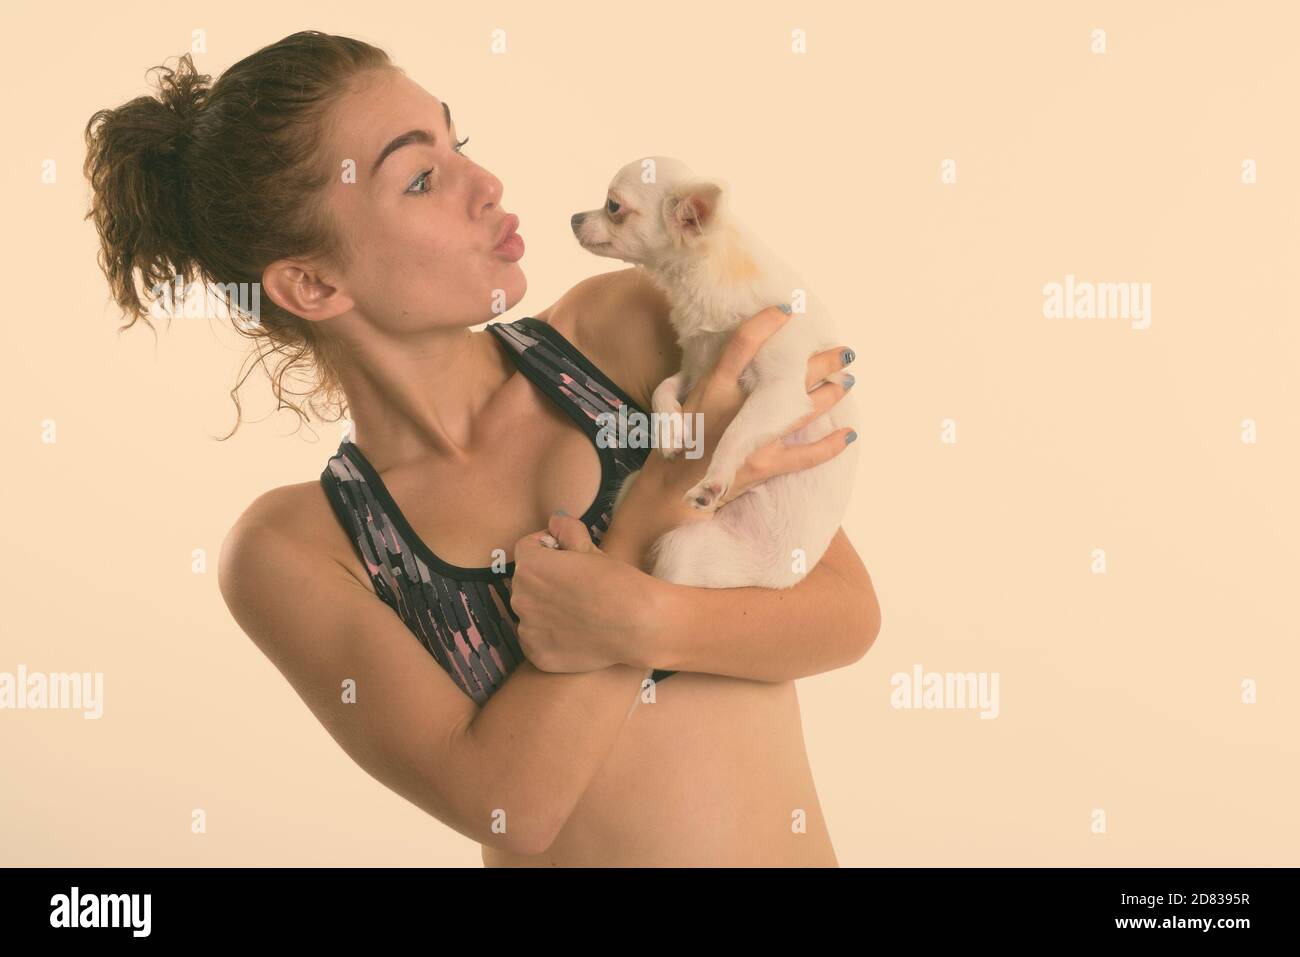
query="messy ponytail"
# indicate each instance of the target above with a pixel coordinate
(212, 183)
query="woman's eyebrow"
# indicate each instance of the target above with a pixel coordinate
(409, 137)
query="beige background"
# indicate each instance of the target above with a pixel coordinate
(1119, 691)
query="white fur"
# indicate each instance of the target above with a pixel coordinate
(755, 539)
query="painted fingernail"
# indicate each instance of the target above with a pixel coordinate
(784, 307)
(560, 511)
(847, 356)
(848, 381)
(850, 437)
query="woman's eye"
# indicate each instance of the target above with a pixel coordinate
(612, 206)
(416, 184)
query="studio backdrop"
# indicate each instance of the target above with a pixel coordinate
(1063, 241)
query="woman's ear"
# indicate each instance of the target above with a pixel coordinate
(300, 288)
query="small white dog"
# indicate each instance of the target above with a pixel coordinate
(661, 217)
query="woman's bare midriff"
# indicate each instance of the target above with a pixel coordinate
(713, 773)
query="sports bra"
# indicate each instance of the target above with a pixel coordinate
(462, 616)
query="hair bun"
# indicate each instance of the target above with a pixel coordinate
(182, 92)
(136, 161)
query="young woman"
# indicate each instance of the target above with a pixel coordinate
(559, 705)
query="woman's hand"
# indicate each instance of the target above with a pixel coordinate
(718, 396)
(578, 608)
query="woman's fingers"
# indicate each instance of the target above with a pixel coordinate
(530, 543)
(570, 534)
(746, 340)
(777, 458)
(828, 362)
(807, 454)
(823, 397)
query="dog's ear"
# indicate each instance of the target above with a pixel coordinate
(691, 209)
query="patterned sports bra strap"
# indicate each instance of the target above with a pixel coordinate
(540, 348)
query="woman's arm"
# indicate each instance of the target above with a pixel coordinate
(827, 620)
(508, 774)
(584, 608)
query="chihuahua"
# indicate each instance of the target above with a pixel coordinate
(679, 229)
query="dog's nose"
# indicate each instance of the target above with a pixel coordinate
(576, 220)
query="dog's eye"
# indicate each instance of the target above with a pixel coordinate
(611, 206)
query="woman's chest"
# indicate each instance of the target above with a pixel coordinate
(529, 459)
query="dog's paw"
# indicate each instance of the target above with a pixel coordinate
(706, 495)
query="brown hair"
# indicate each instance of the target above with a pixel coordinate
(211, 183)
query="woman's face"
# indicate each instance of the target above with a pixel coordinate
(421, 219)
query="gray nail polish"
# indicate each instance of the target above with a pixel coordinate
(560, 511)
(850, 437)
(847, 356)
(784, 307)
(848, 381)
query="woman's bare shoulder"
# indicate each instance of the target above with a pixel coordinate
(301, 515)
(286, 509)
(619, 320)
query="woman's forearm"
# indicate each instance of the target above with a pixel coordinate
(538, 743)
(828, 620)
